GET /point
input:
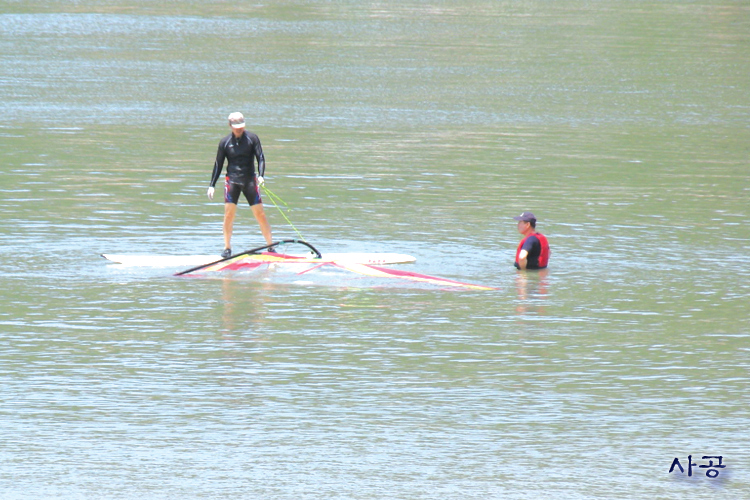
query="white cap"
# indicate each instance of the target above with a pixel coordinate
(236, 120)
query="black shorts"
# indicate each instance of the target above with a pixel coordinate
(233, 188)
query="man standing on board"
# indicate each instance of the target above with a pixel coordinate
(533, 251)
(240, 149)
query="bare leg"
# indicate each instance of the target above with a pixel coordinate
(230, 210)
(265, 227)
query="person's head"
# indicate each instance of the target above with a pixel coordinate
(237, 122)
(526, 222)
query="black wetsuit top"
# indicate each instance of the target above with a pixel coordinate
(240, 155)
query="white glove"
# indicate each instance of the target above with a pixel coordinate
(210, 193)
(261, 180)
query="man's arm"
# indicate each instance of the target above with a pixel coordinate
(260, 157)
(218, 167)
(218, 164)
(523, 255)
(522, 259)
(261, 169)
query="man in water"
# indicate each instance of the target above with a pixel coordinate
(240, 149)
(533, 251)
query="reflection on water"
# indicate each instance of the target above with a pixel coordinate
(388, 127)
(532, 288)
(243, 308)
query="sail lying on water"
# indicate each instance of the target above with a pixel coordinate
(255, 260)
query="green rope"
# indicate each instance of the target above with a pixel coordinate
(276, 199)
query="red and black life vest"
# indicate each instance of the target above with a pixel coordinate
(543, 251)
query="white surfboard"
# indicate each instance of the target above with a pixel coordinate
(142, 260)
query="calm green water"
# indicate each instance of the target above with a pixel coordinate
(411, 127)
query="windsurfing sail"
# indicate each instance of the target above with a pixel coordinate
(222, 264)
(183, 261)
(257, 257)
(383, 272)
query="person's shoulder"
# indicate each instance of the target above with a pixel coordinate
(225, 139)
(532, 239)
